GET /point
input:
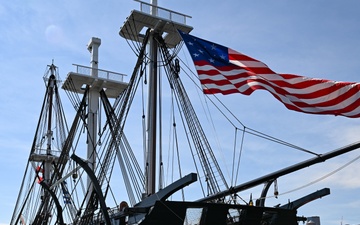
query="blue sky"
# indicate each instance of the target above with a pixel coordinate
(312, 38)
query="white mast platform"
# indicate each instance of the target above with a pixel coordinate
(97, 79)
(165, 21)
(112, 82)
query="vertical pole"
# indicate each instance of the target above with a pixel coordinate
(49, 134)
(152, 110)
(153, 8)
(93, 108)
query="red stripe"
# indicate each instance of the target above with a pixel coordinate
(349, 108)
(281, 91)
(234, 55)
(306, 83)
(279, 86)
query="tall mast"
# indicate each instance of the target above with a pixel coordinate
(133, 29)
(44, 154)
(152, 109)
(93, 107)
(95, 80)
(49, 133)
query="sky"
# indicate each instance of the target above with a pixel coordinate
(315, 38)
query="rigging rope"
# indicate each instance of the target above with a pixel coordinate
(210, 166)
(240, 153)
(323, 177)
(134, 46)
(314, 181)
(250, 130)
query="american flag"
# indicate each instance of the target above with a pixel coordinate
(66, 194)
(223, 70)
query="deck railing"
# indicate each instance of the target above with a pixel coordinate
(105, 74)
(162, 12)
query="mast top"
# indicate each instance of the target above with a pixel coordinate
(92, 42)
(162, 20)
(95, 78)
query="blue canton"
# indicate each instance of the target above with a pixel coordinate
(203, 50)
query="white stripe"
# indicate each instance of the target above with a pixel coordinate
(287, 101)
(250, 64)
(307, 90)
(225, 73)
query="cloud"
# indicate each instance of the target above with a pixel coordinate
(54, 34)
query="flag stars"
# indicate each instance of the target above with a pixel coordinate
(213, 47)
(196, 55)
(190, 43)
(212, 60)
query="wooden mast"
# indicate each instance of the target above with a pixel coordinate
(152, 109)
(133, 29)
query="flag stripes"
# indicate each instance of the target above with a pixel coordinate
(226, 71)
